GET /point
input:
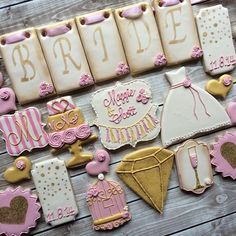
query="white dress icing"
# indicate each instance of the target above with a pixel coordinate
(189, 110)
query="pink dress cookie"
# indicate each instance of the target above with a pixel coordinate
(19, 211)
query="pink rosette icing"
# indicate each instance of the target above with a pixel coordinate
(187, 83)
(142, 97)
(45, 89)
(83, 131)
(92, 192)
(20, 165)
(160, 60)
(85, 80)
(55, 140)
(4, 94)
(69, 136)
(227, 81)
(122, 69)
(7, 198)
(197, 52)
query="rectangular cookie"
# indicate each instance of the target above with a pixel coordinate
(55, 191)
(178, 31)
(102, 44)
(140, 37)
(26, 66)
(216, 39)
(65, 56)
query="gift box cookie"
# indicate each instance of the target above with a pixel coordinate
(26, 66)
(102, 44)
(178, 30)
(65, 56)
(140, 37)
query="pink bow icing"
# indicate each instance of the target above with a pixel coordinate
(45, 89)
(160, 60)
(85, 80)
(122, 69)
(197, 52)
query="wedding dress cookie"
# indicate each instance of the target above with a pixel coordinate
(65, 56)
(102, 44)
(178, 31)
(26, 65)
(140, 37)
(216, 39)
(189, 110)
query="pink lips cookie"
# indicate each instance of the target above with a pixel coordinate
(19, 211)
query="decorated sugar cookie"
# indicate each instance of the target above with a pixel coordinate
(189, 110)
(224, 155)
(65, 56)
(220, 87)
(19, 211)
(231, 110)
(102, 44)
(194, 166)
(7, 99)
(178, 31)
(55, 191)
(216, 39)
(125, 114)
(20, 170)
(105, 198)
(147, 172)
(140, 37)
(23, 131)
(68, 130)
(26, 65)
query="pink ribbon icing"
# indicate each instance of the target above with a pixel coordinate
(187, 83)
(15, 38)
(89, 20)
(69, 136)
(57, 31)
(132, 13)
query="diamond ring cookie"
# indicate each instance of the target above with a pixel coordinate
(105, 198)
(147, 172)
(19, 211)
(125, 114)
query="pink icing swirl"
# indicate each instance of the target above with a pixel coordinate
(187, 83)
(227, 80)
(85, 80)
(122, 69)
(197, 52)
(160, 60)
(83, 131)
(20, 165)
(142, 97)
(45, 89)
(4, 94)
(93, 192)
(55, 139)
(69, 136)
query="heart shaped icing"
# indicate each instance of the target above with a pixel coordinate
(15, 214)
(19, 171)
(228, 151)
(7, 101)
(220, 87)
(99, 164)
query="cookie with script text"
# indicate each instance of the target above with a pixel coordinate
(125, 114)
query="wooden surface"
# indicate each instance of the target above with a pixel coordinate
(212, 213)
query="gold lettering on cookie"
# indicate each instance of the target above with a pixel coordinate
(65, 51)
(23, 55)
(175, 24)
(23, 130)
(137, 35)
(98, 30)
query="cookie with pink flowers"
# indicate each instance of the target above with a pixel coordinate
(19, 211)
(126, 114)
